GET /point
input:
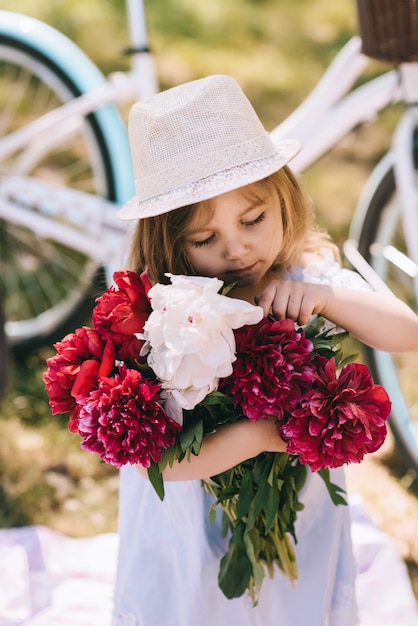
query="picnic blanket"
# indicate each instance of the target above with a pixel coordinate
(48, 579)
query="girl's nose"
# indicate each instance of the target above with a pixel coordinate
(235, 247)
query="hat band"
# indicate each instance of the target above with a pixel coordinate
(162, 182)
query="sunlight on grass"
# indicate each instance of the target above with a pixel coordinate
(46, 477)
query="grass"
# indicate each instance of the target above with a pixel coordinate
(46, 477)
(277, 51)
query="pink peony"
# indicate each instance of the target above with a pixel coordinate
(274, 363)
(120, 313)
(123, 421)
(339, 420)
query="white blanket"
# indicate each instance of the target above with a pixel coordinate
(47, 579)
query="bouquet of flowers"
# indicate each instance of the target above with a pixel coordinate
(166, 365)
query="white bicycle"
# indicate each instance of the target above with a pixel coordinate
(65, 165)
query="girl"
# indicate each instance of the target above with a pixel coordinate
(214, 197)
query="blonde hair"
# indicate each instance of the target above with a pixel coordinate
(158, 242)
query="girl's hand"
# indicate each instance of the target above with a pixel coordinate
(379, 320)
(265, 435)
(294, 300)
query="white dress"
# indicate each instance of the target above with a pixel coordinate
(169, 553)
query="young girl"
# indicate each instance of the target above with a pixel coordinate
(216, 198)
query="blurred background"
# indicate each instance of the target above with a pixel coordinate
(277, 50)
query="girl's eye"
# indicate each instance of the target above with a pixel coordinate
(256, 221)
(206, 242)
(200, 244)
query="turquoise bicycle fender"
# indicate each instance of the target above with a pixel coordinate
(86, 76)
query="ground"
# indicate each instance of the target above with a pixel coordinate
(390, 498)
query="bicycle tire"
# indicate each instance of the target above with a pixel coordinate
(48, 288)
(3, 350)
(380, 227)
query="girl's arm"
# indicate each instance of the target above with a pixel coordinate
(381, 321)
(229, 445)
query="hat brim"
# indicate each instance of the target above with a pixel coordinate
(213, 185)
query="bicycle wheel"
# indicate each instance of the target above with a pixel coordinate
(47, 287)
(3, 350)
(381, 242)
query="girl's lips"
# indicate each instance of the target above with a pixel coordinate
(240, 272)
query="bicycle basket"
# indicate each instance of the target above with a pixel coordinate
(389, 29)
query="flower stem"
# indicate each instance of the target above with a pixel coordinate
(285, 551)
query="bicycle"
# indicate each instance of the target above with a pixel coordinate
(3, 350)
(72, 137)
(81, 228)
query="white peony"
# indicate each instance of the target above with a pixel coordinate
(189, 335)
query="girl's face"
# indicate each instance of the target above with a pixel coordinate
(241, 240)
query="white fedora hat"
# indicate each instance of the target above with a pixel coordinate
(196, 141)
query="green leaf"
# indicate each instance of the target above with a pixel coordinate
(312, 328)
(282, 461)
(257, 505)
(327, 343)
(156, 479)
(300, 473)
(272, 508)
(346, 359)
(227, 493)
(235, 569)
(226, 525)
(217, 397)
(145, 369)
(258, 542)
(245, 495)
(334, 490)
(191, 436)
(168, 456)
(252, 543)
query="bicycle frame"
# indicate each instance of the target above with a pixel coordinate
(320, 122)
(401, 159)
(331, 110)
(317, 122)
(325, 117)
(405, 183)
(119, 88)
